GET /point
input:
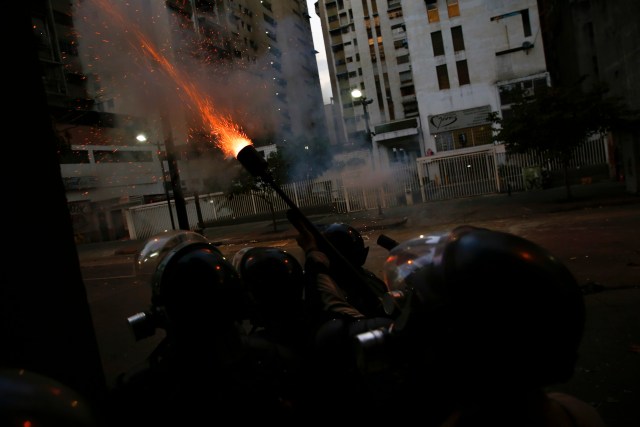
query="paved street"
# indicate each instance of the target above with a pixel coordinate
(597, 235)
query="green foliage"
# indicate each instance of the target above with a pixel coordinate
(307, 157)
(304, 158)
(557, 120)
(244, 182)
(279, 165)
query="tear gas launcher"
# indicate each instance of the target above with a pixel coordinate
(353, 280)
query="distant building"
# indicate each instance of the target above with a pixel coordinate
(433, 70)
(254, 58)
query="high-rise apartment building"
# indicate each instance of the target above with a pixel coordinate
(275, 72)
(253, 60)
(429, 72)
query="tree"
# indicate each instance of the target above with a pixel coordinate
(244, 183)
(556, 120)
(307, 157)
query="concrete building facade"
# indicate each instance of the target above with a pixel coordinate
(431, 71)
(253, 59)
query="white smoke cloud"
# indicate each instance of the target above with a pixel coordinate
(115, 41)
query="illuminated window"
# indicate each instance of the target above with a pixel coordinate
(432, 13)
(453, 8)
(461, 138)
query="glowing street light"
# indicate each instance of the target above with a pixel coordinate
(359, 97)
(141, 137)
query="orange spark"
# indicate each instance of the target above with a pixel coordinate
(228, 136)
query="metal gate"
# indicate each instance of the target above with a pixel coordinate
(460, 175)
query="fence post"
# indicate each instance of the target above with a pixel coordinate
(295, 193)
(253, 203)
(496, 170)
(130, 225)
(196, 200)
(347, 205)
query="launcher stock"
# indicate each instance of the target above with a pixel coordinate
(352, 279)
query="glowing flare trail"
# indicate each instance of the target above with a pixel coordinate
(228, 136)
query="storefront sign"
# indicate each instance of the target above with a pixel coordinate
(459, 119)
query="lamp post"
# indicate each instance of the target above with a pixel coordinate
(359, 97)
(142, 138)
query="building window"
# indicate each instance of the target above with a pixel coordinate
(526, 23)
(404, 59)
(400, 44)
(405, 76)
(398, 30)
(444, 141)
(453, 8)
(74, 157)
(438, 45)
(457, 38)
(482, 135)
(395, 14)
(511, 93)
(122, 156)
(432, 13)
(269, 19)
(408, 90)
(463, 138)
(443, 76)
(463, 72)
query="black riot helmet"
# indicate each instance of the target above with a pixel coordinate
(156, 247)
(348, 241)
(193, 287)
(274, 277)
(485, 307)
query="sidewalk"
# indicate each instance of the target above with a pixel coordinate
(419, 215)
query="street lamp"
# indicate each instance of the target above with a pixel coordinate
(143, 138)
(359, 97)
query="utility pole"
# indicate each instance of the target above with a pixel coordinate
(174, 174)
(164, 183)
(358, 96)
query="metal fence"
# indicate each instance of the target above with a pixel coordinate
(477, 171)
(490, 169)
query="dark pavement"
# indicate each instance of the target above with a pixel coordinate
(419, 216)
(597, 234)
